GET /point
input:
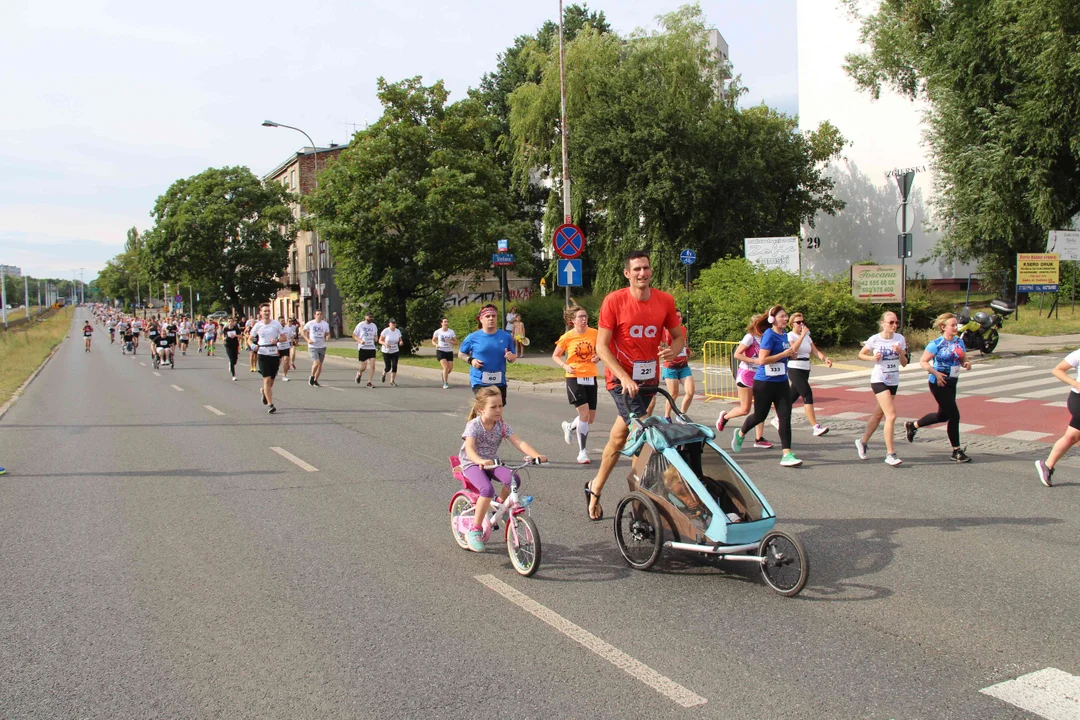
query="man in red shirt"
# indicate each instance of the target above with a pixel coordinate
(632, 322)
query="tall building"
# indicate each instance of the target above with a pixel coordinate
(10, 271)
(309, 276)
(719, 48)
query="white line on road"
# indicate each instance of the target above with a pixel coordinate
(157, 373)
(295, 460)
(1044, 393)
(849, 416)
(213, 409)
(177, 388)
(663, 685)
(1028, 435)
(1059, 403)
(1049, 693)
(1006, 400)
(331, 387)
(143, 364)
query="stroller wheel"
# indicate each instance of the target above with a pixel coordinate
(785, 566)
(639, 531)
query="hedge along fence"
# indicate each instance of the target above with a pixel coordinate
(727, 294)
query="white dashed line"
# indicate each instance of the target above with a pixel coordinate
(177, 388)
(331, 387)
(295, 460)
(1059, 403)
(636, 669)
(143, 364)
(849, 416)
(1049, 693)
(213, 409)
(157, 373)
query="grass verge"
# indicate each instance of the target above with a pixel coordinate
(24, 349)
(520, 372)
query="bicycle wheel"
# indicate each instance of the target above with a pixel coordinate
(786, 566)
(523, 544)
(639, 531)
(460, 507)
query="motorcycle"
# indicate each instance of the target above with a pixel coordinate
(980, 331)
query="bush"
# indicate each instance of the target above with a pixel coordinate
(543, 317)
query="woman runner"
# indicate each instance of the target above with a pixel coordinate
(799, 372)
(1071, 437)
(283, 349)
(770, 382)
(233, 334)
(579, 346)
(747, 354)
(888, 350)
(390, 344)
(943, 359)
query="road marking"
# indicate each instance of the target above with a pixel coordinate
(1059, 403)
(849, 416)
(331, 387)
(1049, 693)
(157, 373)
(143, 364)
(1007, 400)
(964, 427)
(1025, 435)
(295, 460)
(663, 685)
(860, 389)
(213, 409)
(177, 388)
(1045, 393)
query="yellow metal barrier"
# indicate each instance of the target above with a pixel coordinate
(720, 364)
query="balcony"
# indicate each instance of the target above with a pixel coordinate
(290, 280)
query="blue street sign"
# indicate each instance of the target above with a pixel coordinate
(569, 273)
(504, 246)
(569, 241)
(502, 259)
(1037, 288)
(688, 257)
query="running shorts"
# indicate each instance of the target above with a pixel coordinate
(1074, 408)
(676, 373)
(268, 365)
(882, 387)
(445, 355)
(317, 354)
(365, 355)
(625, 404)
(579, 394)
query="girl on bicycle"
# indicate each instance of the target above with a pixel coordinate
(483, 433)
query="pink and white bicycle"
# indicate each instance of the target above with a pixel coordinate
(522, 537)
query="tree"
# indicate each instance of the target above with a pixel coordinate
(415, 199)
(223, 229)
(1001, 78)
(657, 160)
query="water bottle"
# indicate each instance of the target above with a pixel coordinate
(525, 501)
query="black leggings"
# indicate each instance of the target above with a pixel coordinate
(233, 351)
(947, 411)
(766, 395)
(390, 362)
(800, 386)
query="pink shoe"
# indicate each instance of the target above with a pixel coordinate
(763, 444)
(721, 422)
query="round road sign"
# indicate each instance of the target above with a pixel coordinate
(569, 241)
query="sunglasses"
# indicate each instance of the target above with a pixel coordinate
(891, 322)
(797, 322)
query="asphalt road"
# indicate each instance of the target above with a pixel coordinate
(158, 559)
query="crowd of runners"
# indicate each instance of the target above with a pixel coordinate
(641, 341)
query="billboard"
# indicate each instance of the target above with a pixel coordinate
(877, 283)
(1036, 272)
(773, 253)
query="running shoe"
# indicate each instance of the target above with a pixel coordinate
(446, 386)
(892, 459)
(251, 369)
(393, 384)
(384, 377)
(311, 380)
(234, 378)
(475, 539)
(3, 471)
(583, 457)
(820, 430)
(960, 456)
(285, 379)
(272, 410)
(316, 383)
(371, 386)
(263, 394)
(566, 431)
(763, 444)
(789, 460)
(1046, 473)
(721, 422)
(775, 422)
(909, 426)
(861, 448)
(357, 378)
(737, 440)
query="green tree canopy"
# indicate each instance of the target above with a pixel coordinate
(415, 199)
(1001, 78)
(658, 161)
(224, 229)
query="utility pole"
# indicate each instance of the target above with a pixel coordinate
(26, 295)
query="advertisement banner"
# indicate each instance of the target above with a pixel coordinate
(773, 253)
(1037, 272)
(877, 283)
(1066, 243)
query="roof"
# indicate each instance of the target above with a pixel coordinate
(296, 155)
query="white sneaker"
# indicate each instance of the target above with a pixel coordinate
(820, 430)
(583, 457)
(891, 459)
(861, 447)
(285, 379)
(775, 422)
(234, 379)
(566, 431)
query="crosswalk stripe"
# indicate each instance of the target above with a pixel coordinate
(1006, 400)
(976, 370)
(967, 380)
(1025, 435)
(1044, 393)
(1059, 403)
(1049, 693)
(1029, 384)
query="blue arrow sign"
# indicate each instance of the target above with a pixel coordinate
(569, 273)
(688, 257)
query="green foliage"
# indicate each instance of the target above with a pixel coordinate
(224, 229)
(1001, 78)
(414, 200)
(543, 317)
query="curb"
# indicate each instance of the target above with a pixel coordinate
(18, 393)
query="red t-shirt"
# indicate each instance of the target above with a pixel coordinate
(680, 359)
(636, 331)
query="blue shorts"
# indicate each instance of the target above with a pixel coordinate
(676, 373)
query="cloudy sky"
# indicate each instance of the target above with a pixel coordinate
(108, 102)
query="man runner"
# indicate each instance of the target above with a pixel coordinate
(487, 351)
(315, 332)
(364, 334)
(632, 322)
(136, 329)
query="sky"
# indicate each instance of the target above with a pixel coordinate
(108, 103)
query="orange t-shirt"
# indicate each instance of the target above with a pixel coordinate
(636, 330)
(580, 349)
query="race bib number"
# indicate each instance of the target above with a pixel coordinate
(491, 378)
(368, 338)
(283, 345)
(954, 371)
(586, 381)
(317, 334)
(231, 333)
(775, 370)
(890, 366)
(644, 370)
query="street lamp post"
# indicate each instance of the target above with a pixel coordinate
(315, 232)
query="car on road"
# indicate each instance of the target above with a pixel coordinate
(218, 315)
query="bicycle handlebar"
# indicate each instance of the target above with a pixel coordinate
(528, 461)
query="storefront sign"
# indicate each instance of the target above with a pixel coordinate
(1037, 272)
(877, 283)
(774, 253)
